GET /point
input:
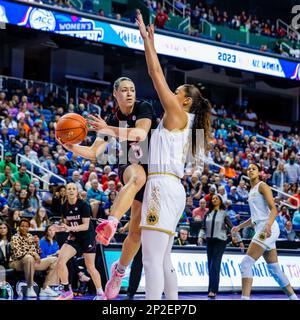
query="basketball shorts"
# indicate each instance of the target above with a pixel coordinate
(267, 243)
(163, 203)
(82, 245)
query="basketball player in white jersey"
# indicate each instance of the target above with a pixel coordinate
(263, 215)
(164, 196)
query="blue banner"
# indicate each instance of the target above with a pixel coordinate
(35, 17)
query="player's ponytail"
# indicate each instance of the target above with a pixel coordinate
(201, 108)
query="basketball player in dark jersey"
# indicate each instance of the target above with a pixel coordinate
(81, 240)
(131, 124)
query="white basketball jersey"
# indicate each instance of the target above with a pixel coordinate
(168, 149)
(258, 205)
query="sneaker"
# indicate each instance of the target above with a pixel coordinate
(113, 285)
(100, 297)
(48, 292)
(65, 295)
(30, 293)
(106, 230)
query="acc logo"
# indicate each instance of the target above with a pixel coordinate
(42, 20)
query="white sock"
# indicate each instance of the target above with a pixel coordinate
(120, 268)
(245, 298)
(99, 291)
(293, 297)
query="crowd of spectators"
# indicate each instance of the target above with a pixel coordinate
(27, 128)
(198, 11)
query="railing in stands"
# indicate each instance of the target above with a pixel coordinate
(45, 87)
(204, 25)
(44, 174)
(282, 202)
(271, 142)
(288, 29)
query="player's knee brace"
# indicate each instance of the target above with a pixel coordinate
(278, 274)
(246, 267)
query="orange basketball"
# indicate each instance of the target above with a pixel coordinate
(71, 128)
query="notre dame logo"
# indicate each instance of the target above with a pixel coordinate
(152, 218)
(262, 236)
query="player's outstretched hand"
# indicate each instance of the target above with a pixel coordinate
(147, 33)
(67, 146)
(96, 123)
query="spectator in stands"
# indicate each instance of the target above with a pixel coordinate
(233, 216)
(200, 212)
(22, 203)
(234, 196)
(222, 132)
(182, 239)
(161, 18)
(25, 257)
(293, 170)
(280, 176)
(248, 232)
(208, 197)
(97, 199)
(101, 13)
(218, 37)
(48, 244)
(40, 220)
(22, 176)
(112, 176)
(3, 205)
(77, 180)
(5, 236)
(222, 193)
(111, 186)
(32, 194)
(293, 201)
(281, 223)
(107, 206)
(14, 217)
(61, 167)
(251, 115)
(228, 171)
(242, 191)
(288, 232)
(106, 171)
(88, 185)
(13, 192)
(6, 179)
(58, 200)
(205, 184)
(296, 219)
(7, 162)
(284, 213)
(214, 230)
(86, 175)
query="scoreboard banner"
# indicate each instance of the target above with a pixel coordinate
(32, 16)
(191, 266)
